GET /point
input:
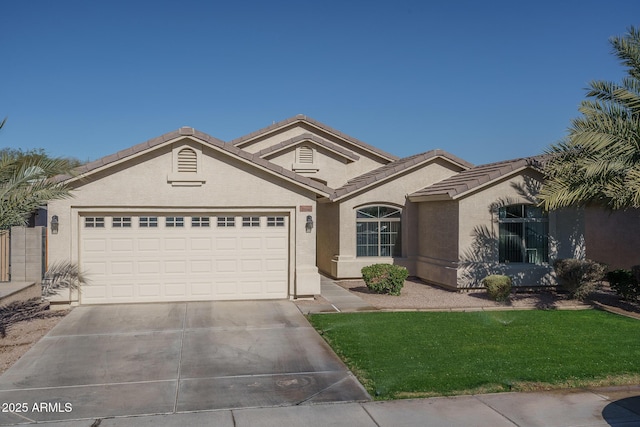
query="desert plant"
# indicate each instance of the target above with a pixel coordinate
(625, 283)
(19, 311)
(579, 277)
(62, 275)
(384, 278)
(498, 287)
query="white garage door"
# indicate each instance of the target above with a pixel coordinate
(177, 257)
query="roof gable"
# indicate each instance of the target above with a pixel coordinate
(187, 132)
(474, 179)
(391, 170)
(309, 137)
(302, 119)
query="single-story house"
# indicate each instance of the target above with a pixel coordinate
(186, 216)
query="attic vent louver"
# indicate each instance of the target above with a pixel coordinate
(187, 161)
(305, 155)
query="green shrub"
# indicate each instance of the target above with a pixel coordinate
(625, 283)
(498, 287)
(385, 278)
(579, 277)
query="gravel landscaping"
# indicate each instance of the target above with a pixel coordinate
(417, 295)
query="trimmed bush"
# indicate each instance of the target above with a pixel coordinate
(625, 283)
(384, 278)
(579, 277)
(498, 287)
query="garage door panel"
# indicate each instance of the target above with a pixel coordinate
(251, 288)
(226, 243)
(175, 244)
(149, 290)
(226, 288)
(201, 289)
(250, 265)
(124, 290)
(146, 244)
(226, 266)
(276, 242)
(122, 245)
(183, 263)
(175, 267)
(148, 267)
(98, 245)
(201, 244)
(95, 268)
(251, 243)
(201, 266)
(178, 289)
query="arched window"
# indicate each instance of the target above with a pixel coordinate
(524, 234)
(187, 161)
(378, 231)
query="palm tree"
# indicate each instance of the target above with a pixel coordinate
(599, 161)
(26, 184)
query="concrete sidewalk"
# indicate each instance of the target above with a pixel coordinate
(615, 406)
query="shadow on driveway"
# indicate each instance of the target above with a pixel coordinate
(105, 361)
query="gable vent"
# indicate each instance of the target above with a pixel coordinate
(305, 155)
(187, 161)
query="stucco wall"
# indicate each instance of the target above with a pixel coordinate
(366, 162)
(331, 168)
(613, 237)
(328, 235)
(437, 238)
(140, 185)
(458, 239)
(345, 263)
(478, 233)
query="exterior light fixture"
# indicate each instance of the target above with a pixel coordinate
(309, 225)
(54, 224)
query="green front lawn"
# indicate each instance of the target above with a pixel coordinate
(416, 354)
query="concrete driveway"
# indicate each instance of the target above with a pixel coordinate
(105, 361)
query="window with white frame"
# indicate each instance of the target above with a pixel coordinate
(94, 222)
(275, 221)
(148, 222)
(378, 231)
(523, 234)
(200, 221)
(121, 222)
(174, 221)
(226, 221)
(251, 221)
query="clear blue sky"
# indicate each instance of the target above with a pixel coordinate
(484, 80)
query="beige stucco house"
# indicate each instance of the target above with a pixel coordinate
(186, 216)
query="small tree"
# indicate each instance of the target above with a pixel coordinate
(600, 160)
(26, 183)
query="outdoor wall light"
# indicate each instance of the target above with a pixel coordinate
(54, 224)
(309, 225)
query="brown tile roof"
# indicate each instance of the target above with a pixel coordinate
(302, 118)
(209, 140)
(394, 168)
(456, 186)
(309, 137)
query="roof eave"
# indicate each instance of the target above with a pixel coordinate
(307, 140)
(430, 198)
(395, 174)
(209, 142)
(300, 118)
